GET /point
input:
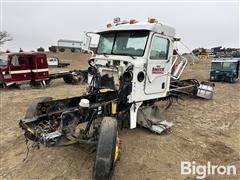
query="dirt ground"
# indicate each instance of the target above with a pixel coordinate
(204, 130)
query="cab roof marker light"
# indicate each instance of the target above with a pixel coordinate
(152, 20)
(109, 25)
(132, 21)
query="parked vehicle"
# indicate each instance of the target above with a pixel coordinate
(225, 69)
(31, 68)
(55, 62)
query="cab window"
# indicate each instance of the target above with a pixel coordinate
(17, 60)
(105, 43)
(230, 66)
(216, 65)
(159, 48)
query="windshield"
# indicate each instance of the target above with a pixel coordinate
(229, 65)
(3, 59)
(216, 65)
(123, 43)
(224, 65)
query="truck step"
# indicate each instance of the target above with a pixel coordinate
(151, 118)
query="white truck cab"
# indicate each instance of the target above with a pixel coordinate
(134, 58)
(146, 47)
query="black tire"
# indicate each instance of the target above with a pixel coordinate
(73, 50)
(233, 80)
(79, 79)
(105, 157)
(32, 109)
(3, 85)
(74, 78)
(68, 79)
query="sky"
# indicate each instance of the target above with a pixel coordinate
(35, 24)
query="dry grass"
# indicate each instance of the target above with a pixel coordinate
(204, 131)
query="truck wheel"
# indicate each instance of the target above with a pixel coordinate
(74, 79)
(233, 80)
(68, 78)
(32, 109)
(3, 85)
(78, 79)
(107, 150)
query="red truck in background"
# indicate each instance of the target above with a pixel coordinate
(31, 68)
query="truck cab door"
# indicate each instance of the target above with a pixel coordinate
(158, 66)
(40, 67)
(19, 68)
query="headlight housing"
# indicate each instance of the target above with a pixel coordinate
(127, 76)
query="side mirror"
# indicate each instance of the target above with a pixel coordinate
(87, 42)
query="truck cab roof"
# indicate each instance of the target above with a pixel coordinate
(25, 53)
(226, 60)
(154, 27)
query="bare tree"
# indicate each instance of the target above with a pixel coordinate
(4, 37)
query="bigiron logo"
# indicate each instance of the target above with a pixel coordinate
(202, 171)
